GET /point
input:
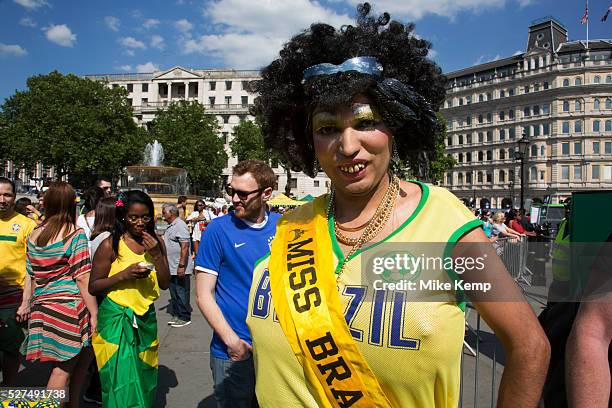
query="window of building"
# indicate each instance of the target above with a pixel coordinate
(468, 99)
(566, 82)
(608, 147)
(578, 106)
(595, 126)
(564, 172)
(224, 137)
(597, 79)
(449, 141)
(480, 137)
(608, 79)
(565, 149)
(460, 158)
(489, 177)
(468, 178)
(577, 172)
(533, 174)
(536, 109)
(608, 126)
(502, 134)
(468, 157)
(596, 104)
(468, 120)
(460, 101)
(480, 98)
(489, 117)
(460, 139)
(578, 126)
(489, 135)
(546, 129)
(542, 151)
(449, 180)
(502, 115)
(468, 138)
(545, 109)
(565, 127)
(536, 87)
(545, 84)
(502, 176)
(460, 178)
(293, 182)
(595, 172)
(489, 96)
(536, 130)
(541, 174)
(228, 85)
(595, 147)
(577, 148)
(502, 154)
(480, 119)
(211, 100)
(565, 106)
(608, 103)
(526, 111)
(315, 183)
(607, 172)
(489, 155)
(526, 89)
(511, 133)
(213, 85)
(129, 101)
(228, 100)
(502, 93)
(145, 87)
(244, 100)
(534, 151)
(578, 81)
(130, 87)
(480, 156)
(245, 85)
(225, 118)
(144, 101)
(511, 92)
(511, 114)
(479, 177)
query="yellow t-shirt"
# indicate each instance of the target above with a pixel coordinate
(137, 294)
(413, 348)
(14, 233)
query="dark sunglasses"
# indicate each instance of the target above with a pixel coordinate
(243, 195)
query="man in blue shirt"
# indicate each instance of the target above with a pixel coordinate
(229, 248)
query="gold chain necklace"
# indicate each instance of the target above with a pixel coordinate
(375, 225)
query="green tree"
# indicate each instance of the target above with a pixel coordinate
(248, 144)
(190, 138)
(79, 126)
(442, 161)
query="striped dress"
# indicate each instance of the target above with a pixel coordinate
(59, 325)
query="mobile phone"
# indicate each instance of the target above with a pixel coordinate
(147, 265)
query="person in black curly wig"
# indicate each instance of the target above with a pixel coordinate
(410, 89)
(329, 325)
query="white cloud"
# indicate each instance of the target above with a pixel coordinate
(60, 35)
(525, 3)
(32, 4)
(517, 52)
(486, 58)
(157, 41)
(126, 68)
(112, 23)
(132, 43)
(253, 32)
(129, 53)
(27, 22)
(150, 23)
(146, 68)
(183, 25)
(432, 54)
(12, 50)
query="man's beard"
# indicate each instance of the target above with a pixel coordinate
(249, 211)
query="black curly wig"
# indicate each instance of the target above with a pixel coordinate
(411, 90)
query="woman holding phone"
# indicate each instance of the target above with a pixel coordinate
(130, 267)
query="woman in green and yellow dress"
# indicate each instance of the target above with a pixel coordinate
(129, 268)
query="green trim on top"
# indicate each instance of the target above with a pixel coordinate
(454, 238)
(260, 260)
(9, 238)
(336, 246)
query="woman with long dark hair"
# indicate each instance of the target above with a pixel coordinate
(87, 219)
(330, 329)
(63, 311)
(130, 267)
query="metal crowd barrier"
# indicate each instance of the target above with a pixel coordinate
(514, 253)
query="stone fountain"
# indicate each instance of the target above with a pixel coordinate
(154, 178)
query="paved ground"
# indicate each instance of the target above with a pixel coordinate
(185, 379)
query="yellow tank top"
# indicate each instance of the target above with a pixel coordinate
(413, 348)
(137, 294)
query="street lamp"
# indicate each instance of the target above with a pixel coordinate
(521, 154)
(512, 192)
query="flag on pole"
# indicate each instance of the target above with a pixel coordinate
(605, 16)
(585, 17)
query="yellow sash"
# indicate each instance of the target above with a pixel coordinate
(310, 312)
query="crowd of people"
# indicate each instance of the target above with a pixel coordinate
(293, 324)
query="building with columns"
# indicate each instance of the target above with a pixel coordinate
(223, 93)
(558, 93)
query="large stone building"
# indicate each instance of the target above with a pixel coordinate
(558, 93)
(223, 94)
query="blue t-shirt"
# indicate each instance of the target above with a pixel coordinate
(229, 249)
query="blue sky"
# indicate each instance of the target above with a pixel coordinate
(112, 36)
